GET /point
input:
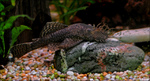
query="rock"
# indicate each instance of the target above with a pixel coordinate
(27, 68)
(33, 72)
(98, 57)
(108, 76)
(25, 63)
(25, 59)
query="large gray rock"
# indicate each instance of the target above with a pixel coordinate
(98, 57)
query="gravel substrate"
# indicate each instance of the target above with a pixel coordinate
(36, 65)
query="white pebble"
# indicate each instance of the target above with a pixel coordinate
(37, 68)
(68, 79)
(91, 79)
(96, 74)
(84, 78)
(29, 73)
(18, 67)
(27, 68)
(36, 54)
(114, 72)
(25, 63)
(113, 76)
(112, 79)
(59, 72)
(40, 51)
(108, 76)
(33, 72)
(70, 73)
(18, 61)
(9, 73)
(54, 79)
(44, 74)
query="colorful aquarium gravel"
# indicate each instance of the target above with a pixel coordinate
(37, 65)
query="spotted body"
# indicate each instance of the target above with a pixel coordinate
(65, 38)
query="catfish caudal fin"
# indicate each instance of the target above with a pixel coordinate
(21, 49)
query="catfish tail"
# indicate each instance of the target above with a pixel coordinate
(21, 49)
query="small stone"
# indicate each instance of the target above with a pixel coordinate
(27, 68)
(36, 68)
(84, 79)
(35, 54)
(25, 59)
(58, 79)
(10, 64)
(62, 75)
(68, 77)
(91, 79)
(113, 76)
(54, 79)
(96, 80)
(119, 73)
(59, 72)
(1, 76)
(11, 69)
(108, 76)
(91, 75)
(70, 73)
(55, 74)
(33, 72)
(26, 72)
(105, 73)
(23, 74)
(18, 62)
(44, 74)
(25, 63)
(40, 51)
(112, 79)
(96, 74)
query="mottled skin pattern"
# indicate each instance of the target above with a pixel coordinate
(65, 38)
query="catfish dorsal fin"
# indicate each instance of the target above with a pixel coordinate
(51, 27)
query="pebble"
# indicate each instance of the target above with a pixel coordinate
(71, 73)
(17, 62)
(27, 68)
(33, 72)
(96, 74)
(25, 63)
(91, 79)
(25, 59)
(84, 79)
(108, 76)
